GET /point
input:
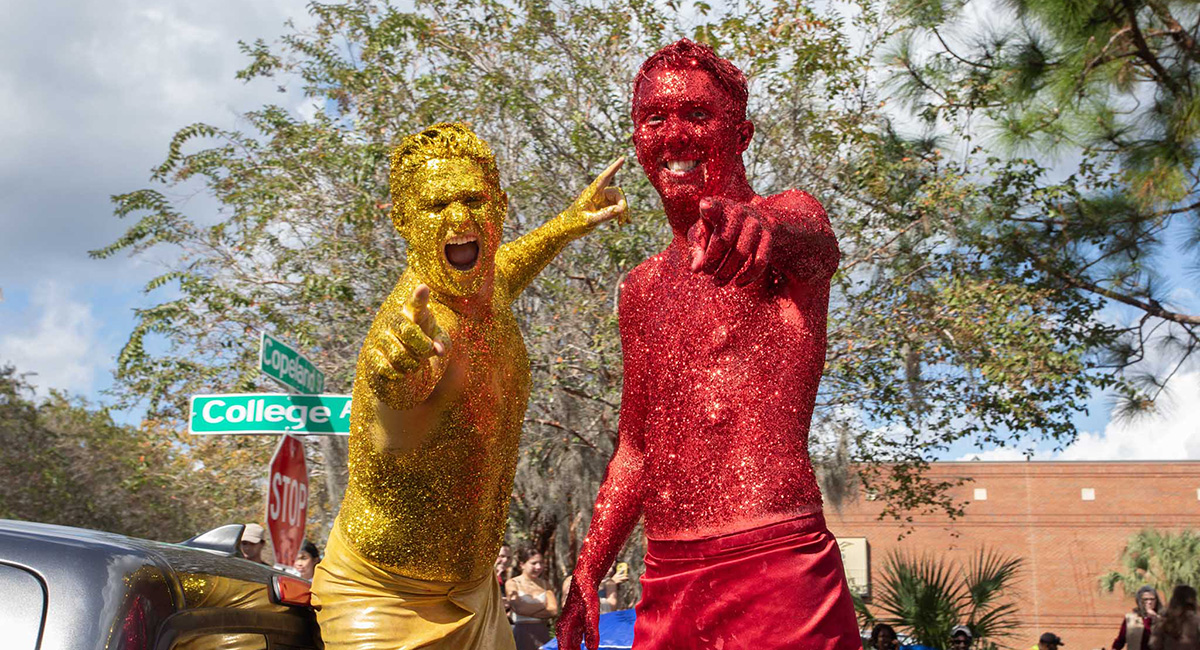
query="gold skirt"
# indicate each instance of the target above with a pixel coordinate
(361, 606)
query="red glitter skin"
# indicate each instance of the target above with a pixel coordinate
(723, 336)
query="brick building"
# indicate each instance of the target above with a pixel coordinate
(1068, 520)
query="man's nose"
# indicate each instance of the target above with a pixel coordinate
(456, 215)
(675, 133)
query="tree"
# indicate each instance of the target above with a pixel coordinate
(929, 342)
(63, 461)
(1106, 90)
(926, 597)
(1156, 558)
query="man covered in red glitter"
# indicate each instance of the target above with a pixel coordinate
(723, 335)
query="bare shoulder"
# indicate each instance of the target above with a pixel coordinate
(641, 280)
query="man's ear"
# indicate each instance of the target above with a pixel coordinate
(399, 222)
(745, 134)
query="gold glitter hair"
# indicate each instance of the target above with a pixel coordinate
(444, 140)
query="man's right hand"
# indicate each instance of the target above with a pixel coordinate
(580, 619)
(401, 347)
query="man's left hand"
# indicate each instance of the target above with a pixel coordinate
(731, 241)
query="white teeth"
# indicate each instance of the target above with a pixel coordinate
(681, 165)
(462, 239)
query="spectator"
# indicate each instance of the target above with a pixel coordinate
(1048, 641)
(306, 560)
(608, 591)
(1135, 629)
(503, 559)
(961, 637)
(883, 637)
(532, 601)
(253, 544)
(1177, 628)
(609, 598)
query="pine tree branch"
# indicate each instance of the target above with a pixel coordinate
(1175, 30)
(1150, 306)
(1103, 57)
(946, 47)
(1144, 52)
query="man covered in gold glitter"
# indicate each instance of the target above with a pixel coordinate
(439, 398)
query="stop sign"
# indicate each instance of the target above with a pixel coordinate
(287, 499)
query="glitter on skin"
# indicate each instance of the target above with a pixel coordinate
(723, 337)
(443, 378)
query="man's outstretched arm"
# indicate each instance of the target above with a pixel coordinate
(518, 262)
(621, 498)
(737, 241)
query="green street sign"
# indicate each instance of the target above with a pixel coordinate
(270, 413)
(285, 365)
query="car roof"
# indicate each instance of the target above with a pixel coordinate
(89, 576)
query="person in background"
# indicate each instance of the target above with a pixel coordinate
(253, 544)
(961, 637)
(1135, 628)
(1179, 627)
(883, 637)
(503, 559)
(306, 560)
(531, 600)
(1048, 641)
(609, 596)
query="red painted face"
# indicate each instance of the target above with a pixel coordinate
(689, 138)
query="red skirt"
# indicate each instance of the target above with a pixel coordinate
(777, 586)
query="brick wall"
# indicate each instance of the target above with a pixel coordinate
(1038, 511)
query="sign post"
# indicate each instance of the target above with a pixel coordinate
(287, 499)
(291, 369)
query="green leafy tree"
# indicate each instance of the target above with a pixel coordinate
(1105, 91)
(64, 461)
(1156, 558)
(925, 597)
(932, 341)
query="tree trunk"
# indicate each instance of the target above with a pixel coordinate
(334, 452)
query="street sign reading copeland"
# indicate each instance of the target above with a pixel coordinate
(270, 413)
(285, 365)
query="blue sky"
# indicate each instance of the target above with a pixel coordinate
(90, 94)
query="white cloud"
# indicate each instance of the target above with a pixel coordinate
(60, 347)
(1171, 433)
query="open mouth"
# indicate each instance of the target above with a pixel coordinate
(462, 252)
(680, 168)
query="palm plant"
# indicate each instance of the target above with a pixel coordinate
(1159, 559)
(926, 596)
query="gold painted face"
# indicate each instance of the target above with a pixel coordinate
(453, 216)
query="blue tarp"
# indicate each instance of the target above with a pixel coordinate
(616, 631)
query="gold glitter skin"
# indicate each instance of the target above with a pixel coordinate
(443, 377)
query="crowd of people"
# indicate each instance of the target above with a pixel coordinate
(1146, 627)
(530, 599)
(531, 602)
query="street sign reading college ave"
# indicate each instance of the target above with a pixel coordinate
(269, 413)
(285, 365)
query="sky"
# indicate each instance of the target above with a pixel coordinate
(90, 95)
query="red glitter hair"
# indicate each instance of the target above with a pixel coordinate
(686, 53)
